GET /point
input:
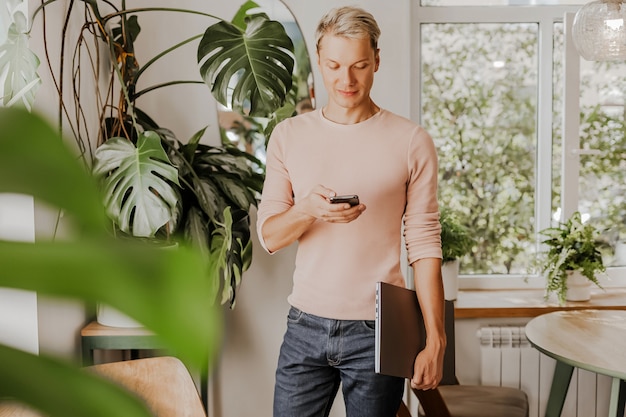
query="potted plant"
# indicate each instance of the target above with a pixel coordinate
(155, 185)
(456, 242)
(572, 260)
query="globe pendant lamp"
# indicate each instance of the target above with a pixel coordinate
(599, 30)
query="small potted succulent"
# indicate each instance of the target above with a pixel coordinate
(572, 260)
(456, 242)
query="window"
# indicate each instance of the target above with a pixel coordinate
(491, 92)
(593, 162)
(479, 102)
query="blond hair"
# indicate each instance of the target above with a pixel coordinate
(349, 22)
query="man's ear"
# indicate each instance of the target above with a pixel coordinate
(377, 59)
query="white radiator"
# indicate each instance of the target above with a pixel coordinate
(507, 359)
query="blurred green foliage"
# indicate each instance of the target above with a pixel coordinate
(167, 291)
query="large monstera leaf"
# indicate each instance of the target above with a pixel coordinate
(249, 71)
(138, 184)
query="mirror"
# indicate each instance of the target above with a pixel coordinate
(249, 133)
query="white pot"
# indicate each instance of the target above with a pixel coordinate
(578, 287)
(109, 316)
(450, 275)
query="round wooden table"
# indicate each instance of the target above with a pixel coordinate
(594, 340)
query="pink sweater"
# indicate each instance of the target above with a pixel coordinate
(391, 164)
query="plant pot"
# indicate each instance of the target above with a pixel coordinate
(578, 287)
(109, 316)
(450, 275)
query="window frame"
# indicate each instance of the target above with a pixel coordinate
(545, 17)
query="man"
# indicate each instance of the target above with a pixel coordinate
(350, 146)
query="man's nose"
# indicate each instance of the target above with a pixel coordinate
(347, 78)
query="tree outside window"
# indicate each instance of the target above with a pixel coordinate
(479, 89)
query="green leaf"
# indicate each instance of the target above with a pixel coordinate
(20, 64)
(225, 162)
(456, 239)
(246, 256)
(196, 229)
(127, 32)
(221, 242)
(34, 161)
(242, 15)
(208, 197)
(139, 195)
(236, 190)
(249, 71)
(35, 380)
(195, 138)
(278, 116)
(241, 234)
(165, 289)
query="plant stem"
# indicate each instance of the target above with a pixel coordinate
(157, 57)
(166, 84)
(157, 9)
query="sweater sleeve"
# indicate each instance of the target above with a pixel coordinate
(277, 195)
(422, 230)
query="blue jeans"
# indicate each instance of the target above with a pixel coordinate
(319, 354)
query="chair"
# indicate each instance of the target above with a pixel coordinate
(164, 383)
(452, 399)
(15, 409)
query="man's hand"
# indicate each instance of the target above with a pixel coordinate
(428, 368)
(285, 228)
(318, 205)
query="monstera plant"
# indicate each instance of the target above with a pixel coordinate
(154, 184)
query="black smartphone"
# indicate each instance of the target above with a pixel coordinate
(353, 200)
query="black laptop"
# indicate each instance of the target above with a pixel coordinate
(400, 332)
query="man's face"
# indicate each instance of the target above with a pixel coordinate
(347, 66)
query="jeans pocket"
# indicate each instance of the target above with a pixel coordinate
(369, 324)
(294, 315)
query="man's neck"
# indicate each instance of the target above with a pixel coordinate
(349, 116)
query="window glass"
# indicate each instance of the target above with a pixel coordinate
(558, 86)
(602, 154)
(479, 102)
(602, 187)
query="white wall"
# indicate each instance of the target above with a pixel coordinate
(59, 320)
(18, 309)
